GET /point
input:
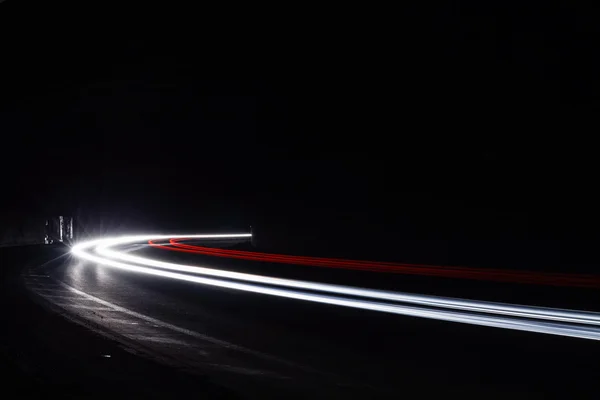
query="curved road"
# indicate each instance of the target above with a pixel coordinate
(263, 345)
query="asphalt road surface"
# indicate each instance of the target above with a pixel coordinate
(260, 345)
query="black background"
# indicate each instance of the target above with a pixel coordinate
(451, 123)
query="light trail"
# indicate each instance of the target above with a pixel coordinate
(526, 318)
(433, 301)
(527, 277)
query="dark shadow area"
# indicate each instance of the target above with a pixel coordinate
(35, 361)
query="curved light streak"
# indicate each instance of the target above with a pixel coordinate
(538, 278)
(470, 311)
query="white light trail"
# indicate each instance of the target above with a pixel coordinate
(106, 255)
(105, 250)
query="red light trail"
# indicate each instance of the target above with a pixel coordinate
(497, 275)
